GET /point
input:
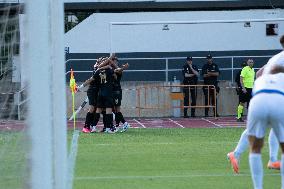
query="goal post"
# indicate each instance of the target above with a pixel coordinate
(44, 54)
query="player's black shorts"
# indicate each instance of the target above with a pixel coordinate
(245, 97)
(117, 97)
(92, 96)
(105, 102)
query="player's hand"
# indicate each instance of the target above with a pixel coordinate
(80, 87)
(125, 66)
(118, 70)
(244, 90)
(112, 56)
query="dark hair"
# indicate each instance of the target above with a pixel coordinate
(115, 58)
(209, 56)
(282, 40)
(189, 58)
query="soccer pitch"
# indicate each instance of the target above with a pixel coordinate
(164, 158)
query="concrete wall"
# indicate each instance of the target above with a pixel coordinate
(227, 100)
(96, 35)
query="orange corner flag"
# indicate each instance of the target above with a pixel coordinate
(73, 85)
(73, 88)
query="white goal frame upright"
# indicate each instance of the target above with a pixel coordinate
(44, 57)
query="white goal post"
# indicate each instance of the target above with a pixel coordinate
(44, 56)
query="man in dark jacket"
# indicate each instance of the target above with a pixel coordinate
(210, 73)
(190, 76)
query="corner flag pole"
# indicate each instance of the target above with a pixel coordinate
(73, 90)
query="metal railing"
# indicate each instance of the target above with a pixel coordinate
(19, 101)
(9, 1)
(166, 69)
(166, 94)
(1, 67)
(230, 61)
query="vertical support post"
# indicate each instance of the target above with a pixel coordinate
(208, 97)
(232, 68)
(167, 70)
(37, 54)
(138, 101)
(110, 38)
(145, 95)
(58, 92)
(215, 104)
(18, 104)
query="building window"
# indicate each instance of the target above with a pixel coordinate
(271, 29)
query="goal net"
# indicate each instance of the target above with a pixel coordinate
(33, 132)
(13, 133)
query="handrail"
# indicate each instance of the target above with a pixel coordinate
(166, 69)
(170, 58)
(145, 90)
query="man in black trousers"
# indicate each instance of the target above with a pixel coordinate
(190, 76)
(210, 72)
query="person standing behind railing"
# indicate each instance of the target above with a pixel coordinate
(239, 93)
(247, 78)
(190, 77)
(210, 72)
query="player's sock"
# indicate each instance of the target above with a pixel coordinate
(117, 119)
(104, 118)
(121, 118)
(273, 146)
(242, 145)
(96, 119)
(89, 119)
(256, 169)
(240, 111)
(108, 120)
(282, 170)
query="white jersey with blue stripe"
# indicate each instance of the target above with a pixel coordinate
(277, 59)
(269, 84)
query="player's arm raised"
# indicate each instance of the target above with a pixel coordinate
(86, 83)
(123, 67)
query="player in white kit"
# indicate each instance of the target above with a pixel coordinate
(273, 163)
(266, 115)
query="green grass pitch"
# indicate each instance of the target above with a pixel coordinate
(164, 159)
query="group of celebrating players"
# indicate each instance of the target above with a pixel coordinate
(105, 95)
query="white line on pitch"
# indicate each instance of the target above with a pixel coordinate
(217, 125)
(139, 123)
(167, 176)
(135, 144)
(72, 159)
(176, 123)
